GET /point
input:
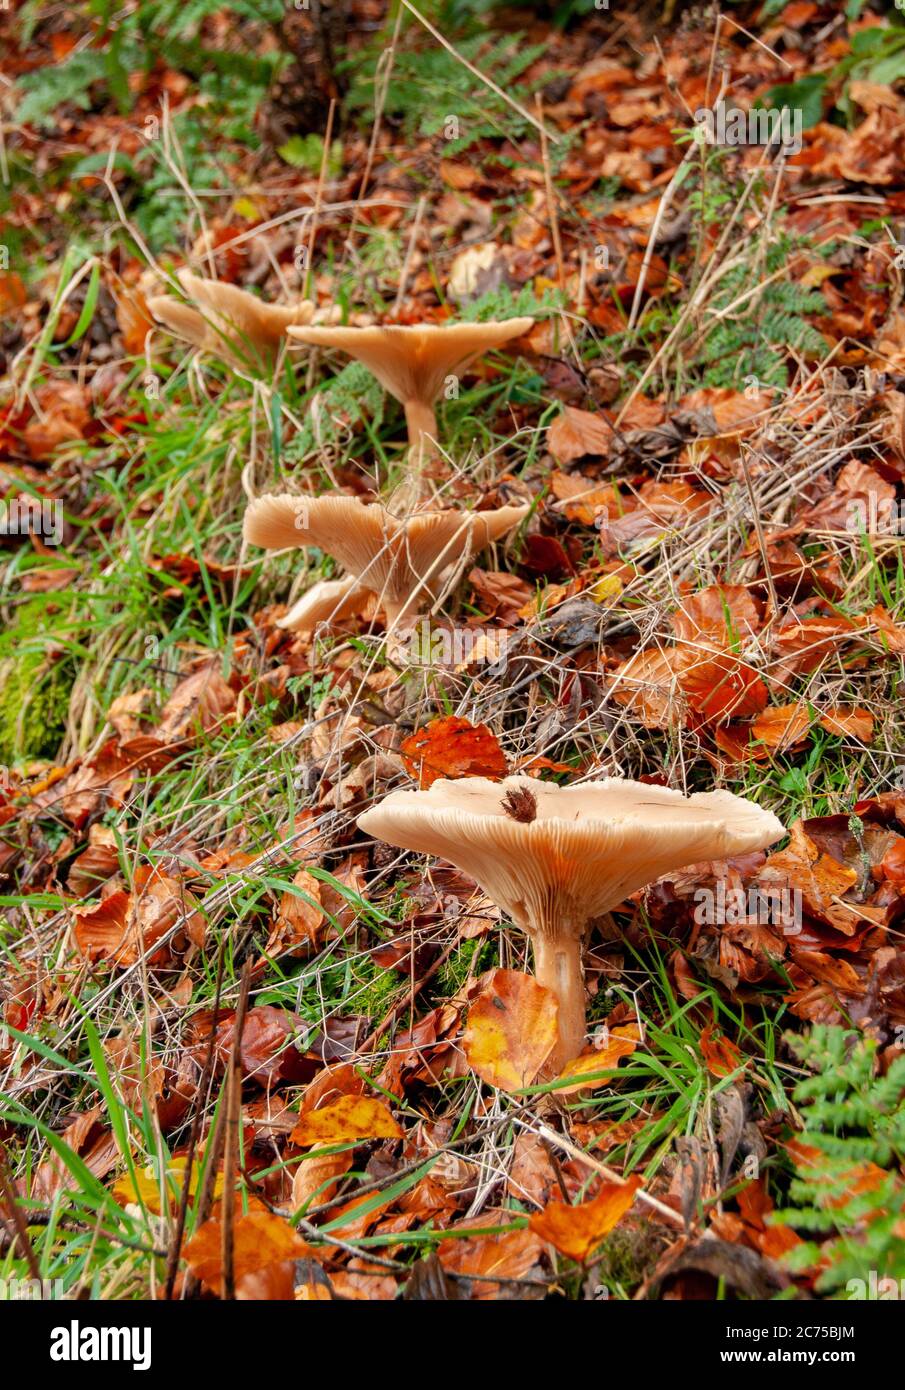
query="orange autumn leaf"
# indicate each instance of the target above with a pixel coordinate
(717, 684)
(892, 865)
(317, 1176)
(348, 1119)
(502, 1254)
(122, 926)
(577, 1231)
(585, 1071)
(134, 320)
(452, 747)
(720, 1055)
(260, 1240)
(511, 1031)
(721, 613)
(781, 726)
(849, 721)
(300, 918)
(12, 293)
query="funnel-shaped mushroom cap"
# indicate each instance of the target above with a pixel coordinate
(584, 851)
(412, 363)
(228, 321)
(326, 602)
(400, 560)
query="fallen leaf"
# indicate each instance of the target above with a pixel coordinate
(720, 1055)
(453, 747)
(578, 433)
(620, 1042)
(511, 1030)
(576, 1231)
(351, 1119)
(260, 1241)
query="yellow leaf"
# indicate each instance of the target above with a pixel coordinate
(607, 589)
(146, 1187)
(351, 1118)
(620, 1043)
(512, 1028)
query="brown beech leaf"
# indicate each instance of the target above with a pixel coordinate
(576, 1231)
(646, 684)
(300, 918)
(722, 614)
(511, 1030)
(124, 925)
(317, 1176)
(500, 595)
(578, 433)
(268, 1054)
(453, 747)
(717, 684)
(583, 1071)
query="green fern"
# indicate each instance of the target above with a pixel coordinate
(853, 1118)
(429, 87)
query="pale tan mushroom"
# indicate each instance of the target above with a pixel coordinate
(401, 561)
(229, 322)
(553, 858)
(412, 363)
(326, 602)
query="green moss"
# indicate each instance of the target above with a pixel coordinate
(35, 688)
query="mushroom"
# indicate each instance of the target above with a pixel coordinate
(412, 363)
(227, 321)
(326, 602)
(553, 858)
(401, 561)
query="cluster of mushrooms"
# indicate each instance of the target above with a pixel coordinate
(552, 858)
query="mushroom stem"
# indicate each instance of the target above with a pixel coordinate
(557, 965)
(421, 422)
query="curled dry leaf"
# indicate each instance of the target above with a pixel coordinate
(317, 1176)
(849, 721)
(782, 726)
(453, 747)
(578, 433)
(124, 925)
(511, 1030)
(576, 1231)
(300, 918)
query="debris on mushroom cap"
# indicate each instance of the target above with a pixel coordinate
(228, 321)
(402, 561)
(326, 602)
(587, 847)
(413, 362)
